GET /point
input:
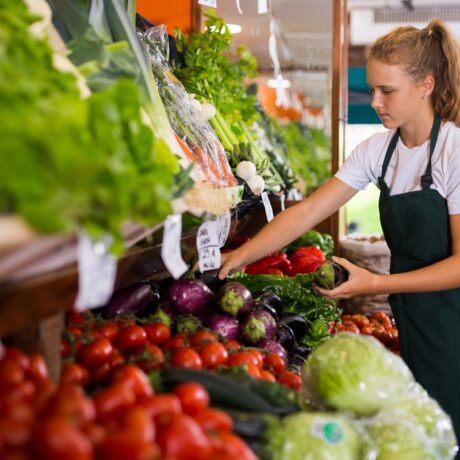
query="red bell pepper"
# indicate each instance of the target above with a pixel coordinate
(278, 261)
(306, 259)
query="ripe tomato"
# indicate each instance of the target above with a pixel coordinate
(211, 419)
(126, 445)
(175, 343)
(150, 358)
(59, 440)
(18, 411)
(258, 355)
(137, 420)
(101, 374)
(243, 357)
(74, 317)
(16, 355)
(65, 349)
(186, 357)
(161, 407)
(109, 329)
(213, 354)
(157, 332)
(116, 359)
(253, 370)
(113, 401)
(232, 346)
(74, 373)
(184, 439)
(135, 379)
(382, 318)
(43, 392)
(14, 433)
(360, 320)
(274, 362)
(228, 446)
(131, 337)
(350, 326)
(193, 397)
(266, 375)
(11, 372)
(291, 380)
(367, 330)
(96, 353)
(23, 391)
(202, 337)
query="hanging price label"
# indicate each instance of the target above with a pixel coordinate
(262, 6)
(283, 201)
(211, 3)
(207, 244)
(170, 249)
(267, 206)
(223, 228)
(97, 269)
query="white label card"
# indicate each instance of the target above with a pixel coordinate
(262, 6)
(207, 244)
(97, 269)
(267, 206)
(211, 3)
(223, 228)
(171, 253)
(283, 201)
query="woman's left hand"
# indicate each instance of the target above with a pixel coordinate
(360, 281)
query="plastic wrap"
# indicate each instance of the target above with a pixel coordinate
(195, 135)
(355, 373)
(315, 436)
(419, 409)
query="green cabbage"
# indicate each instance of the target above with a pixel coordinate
(426, 412)
(315, 436)
(391, 437)
(354, 373)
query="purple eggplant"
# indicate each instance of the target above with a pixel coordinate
(225, 325)
(235, 299)
(258, 325)
(133, 299)
(190, 296)
(272, 346)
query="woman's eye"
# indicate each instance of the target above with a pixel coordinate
(386, 91)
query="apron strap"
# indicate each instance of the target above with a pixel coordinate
(427, 178)
(388, 154)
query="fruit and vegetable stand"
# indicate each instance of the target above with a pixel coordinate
(112, 347)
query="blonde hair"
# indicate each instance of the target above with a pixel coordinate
(430, 51)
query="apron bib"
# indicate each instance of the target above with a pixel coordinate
(417, 231)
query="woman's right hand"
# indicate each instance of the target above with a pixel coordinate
(230, 262)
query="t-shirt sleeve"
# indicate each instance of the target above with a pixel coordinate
(453, 183)
(354, 171)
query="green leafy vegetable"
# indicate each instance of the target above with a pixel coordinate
(355, 373)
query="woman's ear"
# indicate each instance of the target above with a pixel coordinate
(427, 86)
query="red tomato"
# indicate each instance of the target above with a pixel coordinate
(18, 411)
(266, 375)
(101, 374)
(350, 326)
(59, 440)
(228, 446)
(96, 353)
(175, 343)
(211, 419)
(138, 421)
(186, 357)
(24, 391)
(232, 346)
(109, 329)
(116, 359)
(253, 370)
(150, 358)
(135, 379)
(243, 357)
(213, 354)
(131, 337)
(367, 330)
(382, 318)
(291, 380)
(124, 446)
(274, 362)
(193, 397)
(161, 407)
(75, 317)
(360, 320)
(16, 355)
(14, 433)
(113, 401)
(157, 332)
(43, 392)
(184, 439)
(258, 355)
(11, 372)
(65, 349)
(74, 373)
(202, 337)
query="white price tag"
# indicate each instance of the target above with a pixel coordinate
(223, 228)
(170, 249)
(267, 206)
(211, 3)
(283, 202)
(207, 244)
(97, 269)
(262, 6)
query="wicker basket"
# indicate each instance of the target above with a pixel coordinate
(373, 254)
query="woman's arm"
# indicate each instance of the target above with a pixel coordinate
(289, 225)
(437, 277)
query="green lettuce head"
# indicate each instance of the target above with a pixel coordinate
(315, 436)
(356, 373)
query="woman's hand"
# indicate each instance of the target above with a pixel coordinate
(360, 281)
(230, 262)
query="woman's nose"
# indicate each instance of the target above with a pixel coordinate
(376, 101)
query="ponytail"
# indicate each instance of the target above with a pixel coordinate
(431, 51)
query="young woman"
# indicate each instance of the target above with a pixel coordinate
(414, 77)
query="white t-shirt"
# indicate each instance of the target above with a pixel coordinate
(364, 165)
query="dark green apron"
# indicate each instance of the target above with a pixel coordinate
(416, 228)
